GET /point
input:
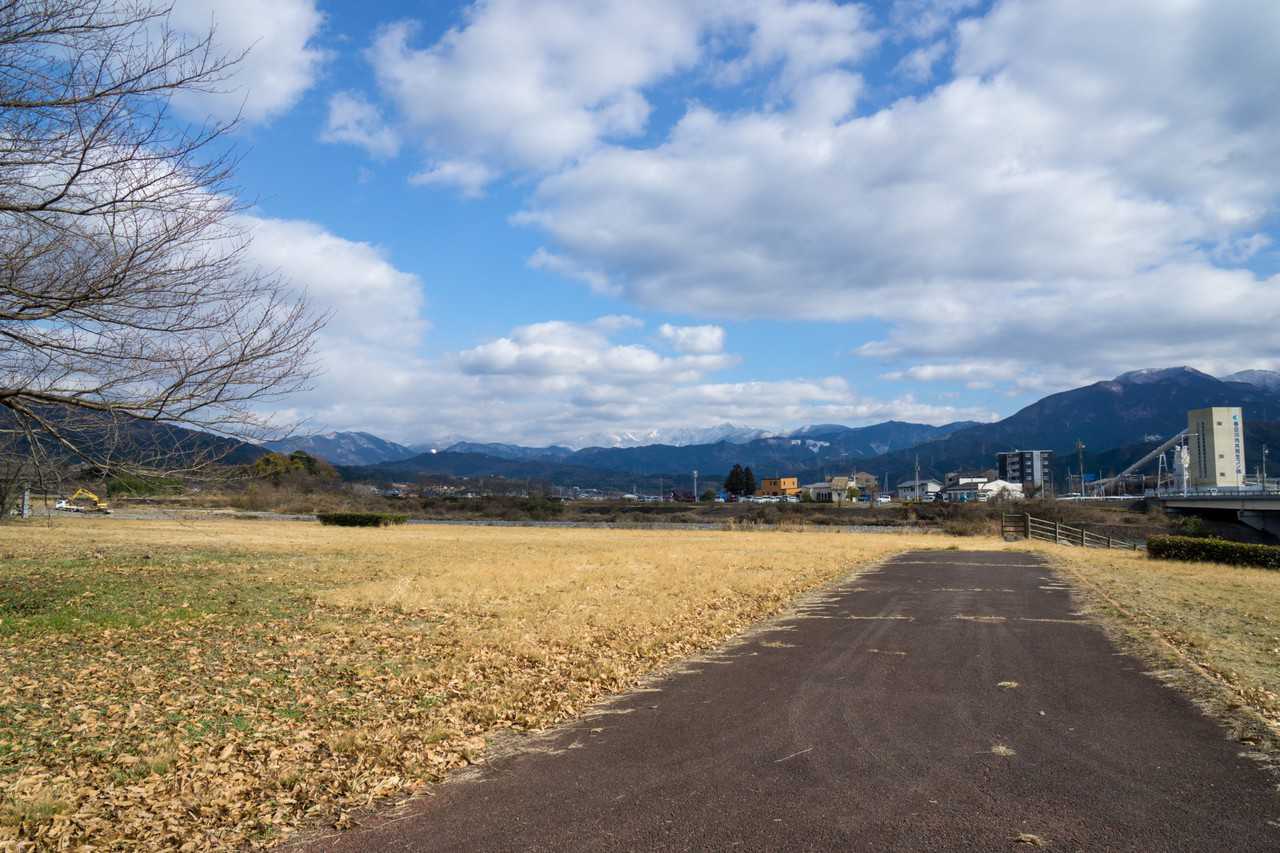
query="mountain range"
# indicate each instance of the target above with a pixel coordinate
(344, 448)
(1128, 411)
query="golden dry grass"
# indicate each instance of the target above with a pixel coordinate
(1224, 620)
(204, 685)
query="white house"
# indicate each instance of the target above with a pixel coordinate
(918, 490)
(969, 492)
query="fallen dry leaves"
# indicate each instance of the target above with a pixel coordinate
(207, 686)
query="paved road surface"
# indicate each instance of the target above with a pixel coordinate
(875, 721)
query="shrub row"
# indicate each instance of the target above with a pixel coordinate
(361, 519)
(1214, 551)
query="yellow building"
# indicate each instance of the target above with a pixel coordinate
(778, 487)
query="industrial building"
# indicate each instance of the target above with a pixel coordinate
(1216, 441)
(1031, 469)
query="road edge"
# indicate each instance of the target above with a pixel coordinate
(1215, 697)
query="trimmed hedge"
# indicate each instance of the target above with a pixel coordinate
(360, 519)
(1214, 551)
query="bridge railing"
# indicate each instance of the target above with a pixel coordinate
(1024, 526)
(1225, 492)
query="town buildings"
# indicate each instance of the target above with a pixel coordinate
(1030, 469)
(778, 487)
(971, 491)
(918, 490)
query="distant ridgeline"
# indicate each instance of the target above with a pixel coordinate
(1118, 420)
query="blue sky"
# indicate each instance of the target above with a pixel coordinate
(553, 220)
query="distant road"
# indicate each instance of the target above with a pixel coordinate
(949, 701)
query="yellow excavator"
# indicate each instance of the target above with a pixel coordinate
(98, 505)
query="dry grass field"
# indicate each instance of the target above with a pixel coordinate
(207, 685)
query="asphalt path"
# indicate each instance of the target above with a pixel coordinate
(949, 700)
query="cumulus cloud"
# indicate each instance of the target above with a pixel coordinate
(1075, 189)
(529, 86)
(924, 19)
(560, 349)
(1007, 375)
(694, 339)
(1092, 188)
(801, 39)
(917, 66)
(532, 84)
(354, 120)
(367, 353)
(559, 381)
(467, 176)
(282, 61)
(551, 381)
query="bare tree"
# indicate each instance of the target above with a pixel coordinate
(125, 295)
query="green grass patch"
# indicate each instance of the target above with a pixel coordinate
(75, 595)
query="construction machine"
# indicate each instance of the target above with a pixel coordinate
(97, 504)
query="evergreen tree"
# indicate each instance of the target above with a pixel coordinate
(734, 482)
(748, 482)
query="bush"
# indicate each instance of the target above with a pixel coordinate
(1213, 551)
(1190, 525)
(361, 519)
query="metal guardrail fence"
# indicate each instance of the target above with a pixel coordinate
(1024, 526)
(1245, 493)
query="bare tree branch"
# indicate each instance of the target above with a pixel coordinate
(125, 295)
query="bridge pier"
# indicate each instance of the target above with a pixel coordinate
(1267, 522)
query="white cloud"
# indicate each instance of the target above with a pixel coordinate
(557, 350)
(1077, 200)
(1007, 375)
(541, 259)
(1071, 195)
(554, 381)
(529, 86)
(558, 381)
(694, 339)
(469, 177)
(368, 352)
(354, 120)
(917, 66)
(803, 39)
(282, 61)
(924, 19)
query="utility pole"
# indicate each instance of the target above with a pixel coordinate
(1265, 451)
(695, 485)
(916, 489)
(1080, 463)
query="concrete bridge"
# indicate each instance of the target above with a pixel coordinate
(1260, 510)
